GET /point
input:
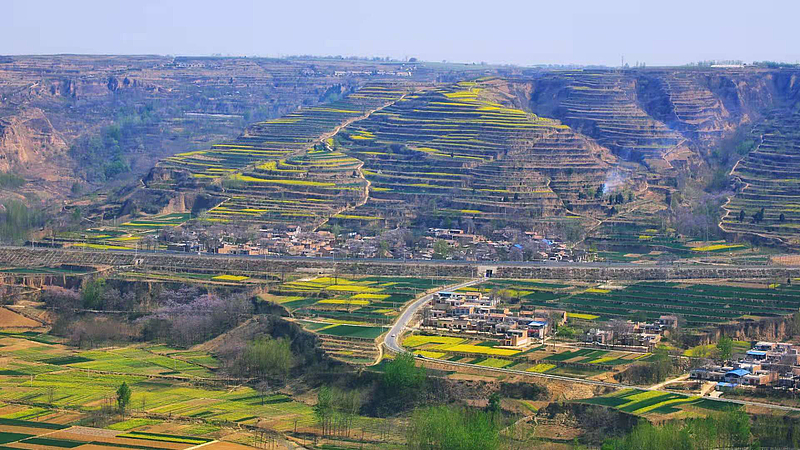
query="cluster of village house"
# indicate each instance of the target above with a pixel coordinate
(481, 248)
(623, 334)
(296, 242)
(473, 313)
(292, 242)
(766, 364)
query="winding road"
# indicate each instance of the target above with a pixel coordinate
(391, 342)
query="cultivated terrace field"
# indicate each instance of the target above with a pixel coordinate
(386, 153)
(700, 304)
(657, 405)
(274, 173)
(348, 314)
(561, 360)
(456, 152)
(769, 198)
(177, 401)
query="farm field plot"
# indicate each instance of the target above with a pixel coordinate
(625, 239)
(73, 388)
(640, 402)
(349, 314)
(195, 277)
(35, 356)
(128, 235)
(358, 301)
(138, 361)
(27, 434)
(57, 270)
(699, 304)
(11, 319)
(533, 359)
(584, 356)
(702, 351)
(417, 340)
(525, 294)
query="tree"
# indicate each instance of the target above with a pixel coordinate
(493, 407)
(741, 216)
(123, 397)
(268, 358)
(566, 332)
(759, 216)
(92, 294)
(725, 348)
(324, 407)
(51, 392)
(782, 218)
(735, 425)
(263, 389)
(384, 249)
(441, 249)
(793, 328)
(336, 229)
(402, 374)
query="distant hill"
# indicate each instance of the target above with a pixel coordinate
(623, 157)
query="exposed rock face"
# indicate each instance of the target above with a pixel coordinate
(641, 114)
(28, 139)
(48, 103)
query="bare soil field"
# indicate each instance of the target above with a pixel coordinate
(11, 319)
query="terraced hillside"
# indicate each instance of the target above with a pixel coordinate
(162, 105)
(530, 150)
(768, 203)
(603, 105)
(453, 152)
(685, 102)
(275, 172)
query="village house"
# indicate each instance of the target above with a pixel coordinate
(766, 364)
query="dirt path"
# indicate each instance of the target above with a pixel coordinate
(746, 185)
(336, 131)
(707, 387)
(664, 383)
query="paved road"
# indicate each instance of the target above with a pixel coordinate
(391, 341)
(393, 345)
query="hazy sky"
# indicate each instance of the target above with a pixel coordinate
(521, 32)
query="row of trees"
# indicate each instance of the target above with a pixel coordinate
(336, 409)
(203, 318)
(446, 427)
(182, 317)
(726, 430)
(17, 220)
(265, 358)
